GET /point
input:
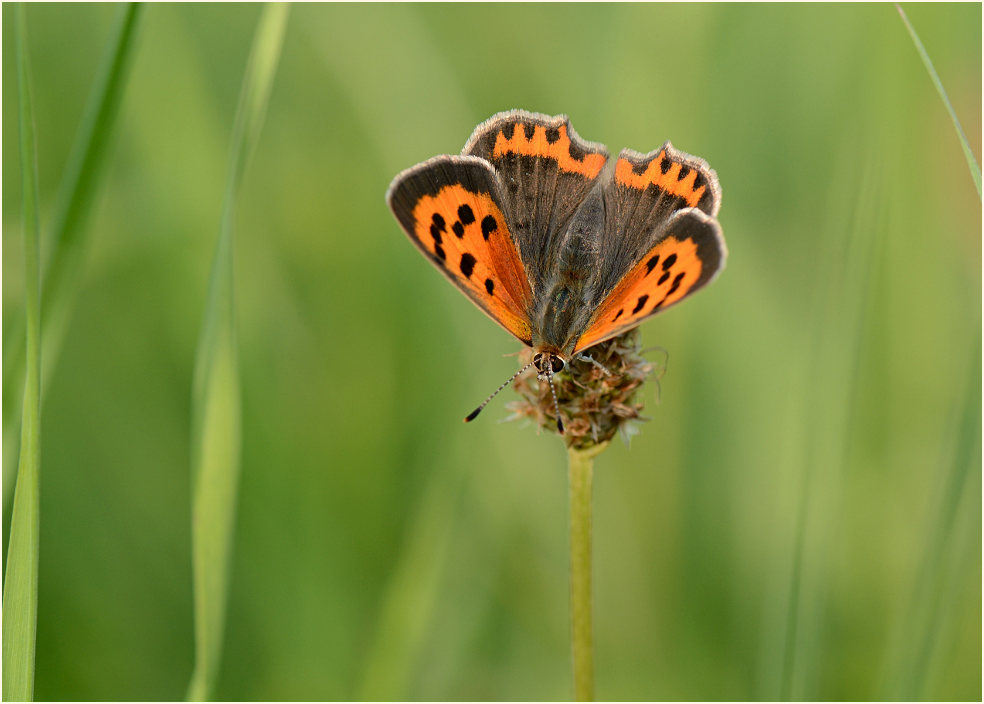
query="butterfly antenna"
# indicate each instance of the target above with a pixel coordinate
(553, 392)
(474, 414)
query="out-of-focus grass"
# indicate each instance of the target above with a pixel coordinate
(918, 639)
(216, 394)
(379, 541)
(851, 238)
(975, 169)
(20, 583)
(957, 497)
(69, 239)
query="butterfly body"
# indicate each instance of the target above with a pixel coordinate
(561, 249)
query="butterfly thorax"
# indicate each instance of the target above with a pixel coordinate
(559, 324)
(564, 312)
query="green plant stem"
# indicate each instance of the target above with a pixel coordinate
(20, 587)
(580, 471)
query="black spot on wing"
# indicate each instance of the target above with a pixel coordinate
(439, 251)
(677, 280)
(640, 303)
(458, 229)
(489, 286)
(489, 226)
(670, 261)
(663, 279)
(467, 264)
(684, 170)
(466, 215)
(576, 152)
(437, 227)
(651, 264)
(553, 134)
(676, 283)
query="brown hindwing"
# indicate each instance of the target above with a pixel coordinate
(686, 259)
(645, 192)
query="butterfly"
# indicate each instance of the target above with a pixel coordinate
(562, 250)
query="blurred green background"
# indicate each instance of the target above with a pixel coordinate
(801, 517)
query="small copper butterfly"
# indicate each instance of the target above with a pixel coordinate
(560, 251)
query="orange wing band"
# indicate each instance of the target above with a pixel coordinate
(670, 181)
(559, 149)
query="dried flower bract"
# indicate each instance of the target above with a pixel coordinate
(594, 404)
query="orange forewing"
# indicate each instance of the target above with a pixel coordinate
(662, 172)
(467, 234)
(683, 261)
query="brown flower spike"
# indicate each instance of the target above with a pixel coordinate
(594, 405)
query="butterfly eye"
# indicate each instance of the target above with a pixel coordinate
(541, 360)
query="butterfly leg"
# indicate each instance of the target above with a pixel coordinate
(588, 358)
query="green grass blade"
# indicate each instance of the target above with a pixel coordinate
(215, 393)
(20, 586)
(975, 169)
(920, 629)
(69, 239)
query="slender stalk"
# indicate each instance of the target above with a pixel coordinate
(20, 587)
(580, 471)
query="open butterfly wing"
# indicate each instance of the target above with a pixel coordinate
(686, 258)
(451, 208)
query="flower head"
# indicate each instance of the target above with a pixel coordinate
(596, 396)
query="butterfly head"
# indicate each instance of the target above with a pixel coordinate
(548, 363)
